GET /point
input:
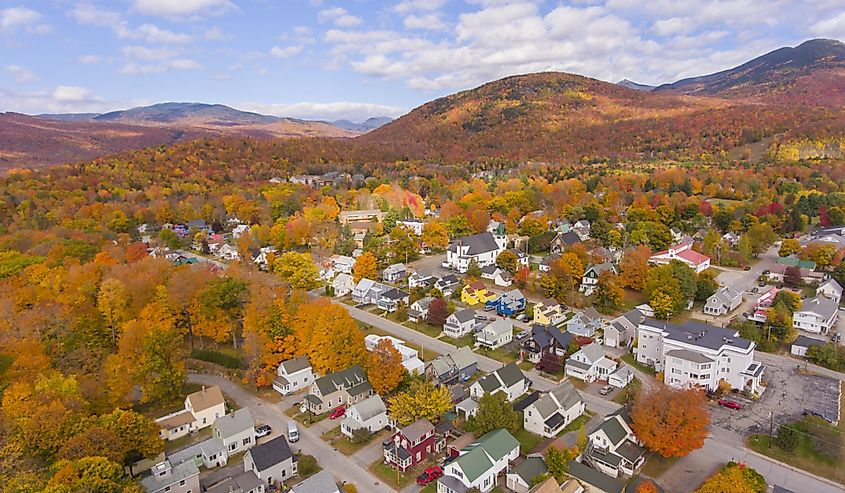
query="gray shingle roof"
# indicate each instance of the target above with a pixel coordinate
(354, 375)
(234, 423)
(510, 374)
(417, 429)
(700, 334)
(614, 430)
(688, 355)
(296, 364)
(820, 305)
(179, 472)
(804, 341)
(530, 467)
(322, 482)
(595, 478)
(370, 407)
(269, 454)
(246, 481)
(464, 315)
(478, 243)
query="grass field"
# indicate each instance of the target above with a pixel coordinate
(467, 340)
(527, 441)
(629, 358)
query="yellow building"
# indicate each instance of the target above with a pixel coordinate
(548, 312)
(475, 293)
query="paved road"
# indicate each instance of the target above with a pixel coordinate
(743, 279)
(486, 364)
(689, 472)
(341, 466)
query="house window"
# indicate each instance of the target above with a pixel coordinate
(182, 483)
(419, 456)
(167, 488)
(247, 440)
(233, 446)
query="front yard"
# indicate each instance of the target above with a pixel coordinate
(467, 340)
(395, 478)
(342, 443)
(629, 358)
(306, 419)
(424, 327)
(499, 354)
(527, 441)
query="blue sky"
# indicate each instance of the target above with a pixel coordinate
(358, 58)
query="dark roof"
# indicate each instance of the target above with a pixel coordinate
(595, 478)
(296, 364)
(354, 375)
(465, 315)
(804, 341)
(416, 430)
(395, 294)
(478, 243)
(614, 430)
(510, 374)
(630, 451)
(269, 454)
(569, 238)
(526, 401)
(700, 334)
(543, 335)
(554, 421)
(530, 467)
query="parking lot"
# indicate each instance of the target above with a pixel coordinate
(788, 395)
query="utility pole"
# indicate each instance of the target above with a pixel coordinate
(771, 429)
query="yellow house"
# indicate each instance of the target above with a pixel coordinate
(475, 293)
(548, 312)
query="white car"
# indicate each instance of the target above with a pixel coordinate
(522, 335)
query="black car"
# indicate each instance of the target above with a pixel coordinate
(818, 414)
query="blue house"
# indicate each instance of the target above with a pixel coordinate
(508, 304)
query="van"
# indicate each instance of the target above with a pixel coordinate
(293, 432)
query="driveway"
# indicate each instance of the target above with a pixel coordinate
(343, 468)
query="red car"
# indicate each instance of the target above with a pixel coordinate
(429, 475)
(730, 404)
(337, 412)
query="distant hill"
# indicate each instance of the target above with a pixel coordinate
(68, 117)
(31, 142)
(364, 127)
(635, 86)
(190, 113)
(810, 74)
(557, 117)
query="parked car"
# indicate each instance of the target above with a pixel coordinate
(819, 414)
(263, 431)
(730, 404)
(522, 318)
(429, 475)
(337, 412)
(488, 308)
(836, 337)
(747, 267)
(522, 335)
(293, 432)
(606, 390)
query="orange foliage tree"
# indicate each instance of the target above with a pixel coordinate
(671, 422)
(328, 336)
(384, 367)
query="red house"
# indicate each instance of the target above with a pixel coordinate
(412, 444)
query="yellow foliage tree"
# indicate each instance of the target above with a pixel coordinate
(366, 266)
(421, 401)
(435, 236)
(328, 336)
(735, 478)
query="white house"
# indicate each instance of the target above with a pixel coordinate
(293, 375)
(723, 301)
(202, 408)
(369, 414)
(419, 280)
(368, 291)
(272, 461)
(551, 413)
(621, 377)
(210, 453)
(240, 230)
(480, 463)
(245, 482)
(447, 284)
(613, 448)
(591, 277)
(343, 284)
(508, 379)
(235, 430)
(390, 300)
(817, 315)
(495, 334)
(165, 477)
(418, 311)
(519, 478)
(499, 276)
(830, 289)
(459, 323)
(342, 264)
(622, 330)
(483, 248)
(590, 364)
(586, 323)
(696, 354)
(802, 343)
(415, 225)
(394, 273)
(683, 252)
(410, 356)
(228, 252)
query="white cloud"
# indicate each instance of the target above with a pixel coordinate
(71, 94)
(833, 27)
(145, 53)
(135, 68)
(324, 111)
(285, 52)
(21, 74)
(339, 16)
(15, 17)
(90, 59)
(418, 5)
(180, 8)
(427, 21)
(89, 14)
(675, 25)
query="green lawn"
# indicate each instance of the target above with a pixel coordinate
(805, 456)
(467, 340)
(526, 365)
(306, 419)
(527, 441)
(629, 358)
(655, 465)
(499, 354)
(342, 443)
(577, 423)
(425, 328)
(629, 393)
(187, 440)
(394, 479)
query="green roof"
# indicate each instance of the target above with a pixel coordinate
(794, 262)
(475, 459)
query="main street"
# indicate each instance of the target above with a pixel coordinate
(342, 467)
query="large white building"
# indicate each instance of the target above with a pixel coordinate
(484, 248)
(684, 253)
(696, 354)
(817, 315)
